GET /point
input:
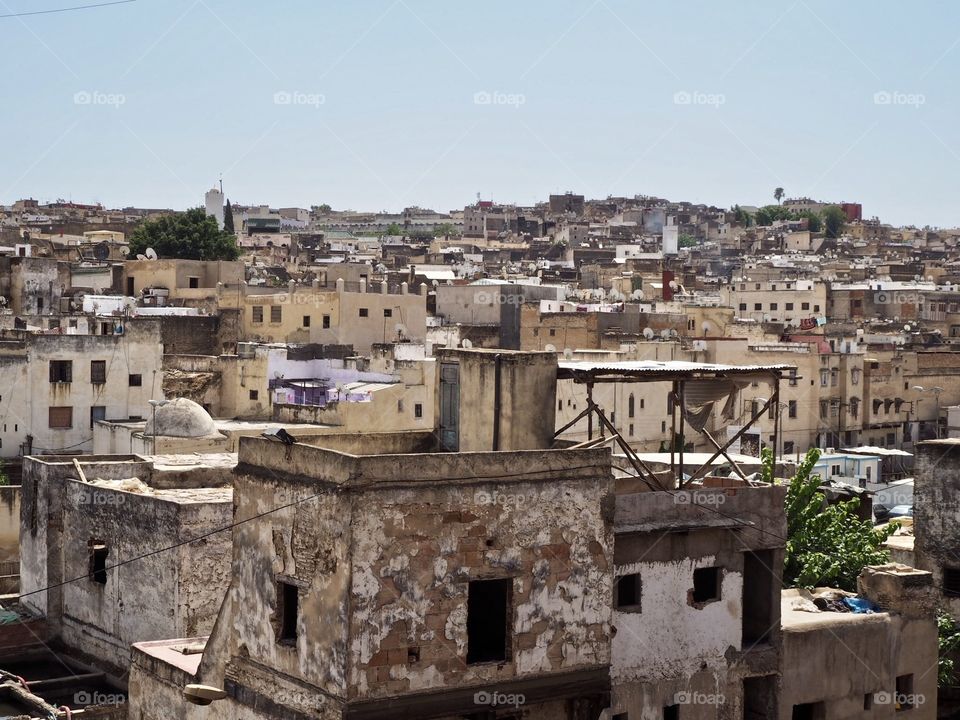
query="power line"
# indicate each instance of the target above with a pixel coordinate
(67, 9)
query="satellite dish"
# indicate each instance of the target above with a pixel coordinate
(664, 333)
(401, 329)
(101, 251)
(141, 256)
(124, 251)
(907, 328)
(567, 353)
(466, 344)
(707, 327)
(648, 333)
(550, 348)
(151, 254)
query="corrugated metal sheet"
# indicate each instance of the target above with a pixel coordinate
(658, 367)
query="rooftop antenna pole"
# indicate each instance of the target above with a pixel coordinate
(221, 183)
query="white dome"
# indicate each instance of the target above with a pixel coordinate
(180, 418)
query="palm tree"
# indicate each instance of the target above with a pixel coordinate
(778, 194)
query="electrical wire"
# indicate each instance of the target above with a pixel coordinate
(67, 9)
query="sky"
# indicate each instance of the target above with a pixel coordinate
(383, 104)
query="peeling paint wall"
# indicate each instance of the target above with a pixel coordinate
(382, 553)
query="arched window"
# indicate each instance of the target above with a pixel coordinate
(630, 406)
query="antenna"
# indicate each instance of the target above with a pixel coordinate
(221, 183)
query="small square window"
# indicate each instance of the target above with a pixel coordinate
(194, 282)
(254, 394)
(59, 418)
(135, 380)
(905, 699)
(364, 312)
(306, 321)
(61, 371)
(388, 312)
(951, 582)
(671, 712)
(706, 584)
(628, 593)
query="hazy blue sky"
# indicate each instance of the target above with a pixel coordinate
(379, 104)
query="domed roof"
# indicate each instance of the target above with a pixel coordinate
(180, 418)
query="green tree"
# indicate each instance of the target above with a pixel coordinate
(948, 639)
(228, 219)
(742, 217)
(814, 222)
(686, 240)
(190, 235)
(4, 478)
(769, 214)
(826, 544)
(833, 220)
(778, 194)
(394, 229)
(445, 230)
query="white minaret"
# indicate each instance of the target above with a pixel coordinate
(213, 201)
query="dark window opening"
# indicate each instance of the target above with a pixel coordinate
(257, 313)
(364, 312)
(951, 582)
(809, 711)
(904, 699)
(706, 584)
(326, 322)
(97, 412)
(413, 655)
(289, 596)
(671, 712)
(758, 597)
(194, 282)
(418, 410)
(488, 609)
(98, 563)
(387, 312)
(254, 394)
(628, 592)
(276, 314)
(306, 321)
(868, 701)
(136, 380)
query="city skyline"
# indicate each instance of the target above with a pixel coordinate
(415, 103)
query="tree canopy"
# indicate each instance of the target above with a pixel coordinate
(827, 545)
(833, 221)
(190, 235)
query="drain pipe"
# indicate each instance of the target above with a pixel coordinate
(496, 400)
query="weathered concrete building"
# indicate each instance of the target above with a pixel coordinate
(89, 527)
(55, 387)
(849, 665)
(416, 585)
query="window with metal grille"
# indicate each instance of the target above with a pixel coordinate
(61, 371)
(257, 313)
(276, 313)
(98, 372)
